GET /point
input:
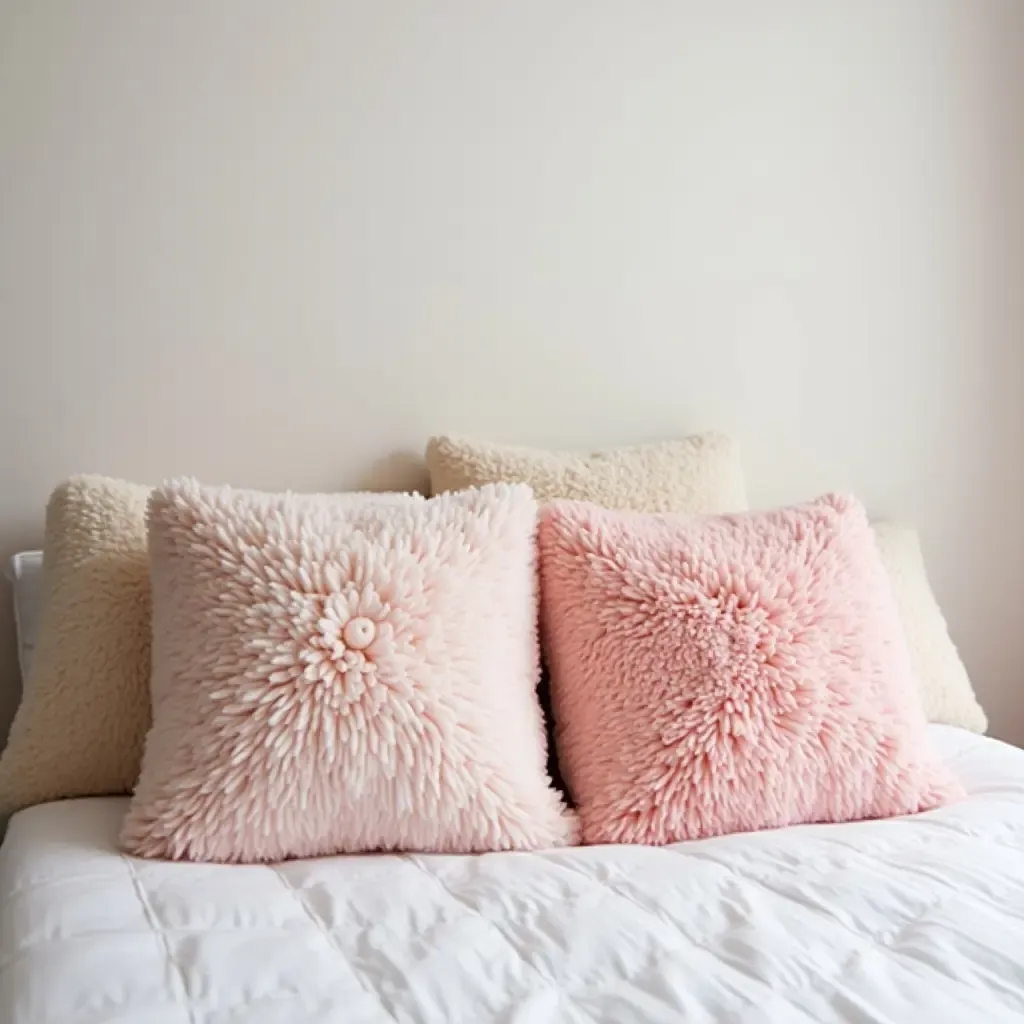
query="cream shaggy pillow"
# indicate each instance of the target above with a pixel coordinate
(942, 681)
(700, 474)
(84, 712)
(343, 674)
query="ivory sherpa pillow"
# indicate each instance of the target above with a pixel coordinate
(338, 674)
(942, 681)
(84, 712)
(697, 474)
(725, 674)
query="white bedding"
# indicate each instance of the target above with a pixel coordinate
(919, 919)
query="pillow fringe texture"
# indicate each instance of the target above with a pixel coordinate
(726, 674)
(339, 674)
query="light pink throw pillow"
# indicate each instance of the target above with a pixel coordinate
(341, 674)
(725, 674)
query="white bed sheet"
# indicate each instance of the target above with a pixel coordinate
(917, 919)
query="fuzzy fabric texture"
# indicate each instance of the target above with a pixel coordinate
(343, 674)
(726, 674)
(699, 474)
(80, 727)
(942, 681)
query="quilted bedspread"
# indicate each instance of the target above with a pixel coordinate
(915, 919)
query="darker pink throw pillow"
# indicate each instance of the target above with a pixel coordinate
(729, 673)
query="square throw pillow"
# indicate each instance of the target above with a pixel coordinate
(84, 711)
(729, 673)
(942, 681)
(343, 674)
(698, 474)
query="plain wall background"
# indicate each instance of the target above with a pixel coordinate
(279, 244)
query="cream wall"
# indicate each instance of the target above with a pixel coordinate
(281, 243)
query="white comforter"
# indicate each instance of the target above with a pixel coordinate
(918, 919)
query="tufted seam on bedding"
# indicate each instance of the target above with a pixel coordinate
(684, 943)
(331, 940)
(886, 945)
(154, 923)
(546, 979)
(871, 942)
(862, 859)
(52, 883)
(764, 885)
(884, 942)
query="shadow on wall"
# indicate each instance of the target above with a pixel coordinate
(400, 471)
(993, 642)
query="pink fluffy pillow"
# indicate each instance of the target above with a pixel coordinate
(341, 674)
(725, 674)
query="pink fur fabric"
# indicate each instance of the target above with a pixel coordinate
(729, 673)
(343, 674)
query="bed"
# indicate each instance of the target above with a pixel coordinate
(910, 919)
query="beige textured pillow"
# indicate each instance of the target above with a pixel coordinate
(700, 474)
(942, 680)
(85, 710)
